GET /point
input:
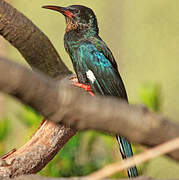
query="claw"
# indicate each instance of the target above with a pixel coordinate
(91, 93)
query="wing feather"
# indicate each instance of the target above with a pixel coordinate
(106, 80)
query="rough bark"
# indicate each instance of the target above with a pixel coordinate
(30, 41)
(36, 153)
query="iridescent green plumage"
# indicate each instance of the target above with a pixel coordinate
(93, 61)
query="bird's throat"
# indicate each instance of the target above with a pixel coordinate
(70, 25)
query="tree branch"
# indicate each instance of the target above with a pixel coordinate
(36, 153)
(111, 169)
(32, 43)
(81, 111)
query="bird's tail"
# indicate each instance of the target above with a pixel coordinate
(126, 151)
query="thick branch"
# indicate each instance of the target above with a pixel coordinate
(81, 111)
(37, 152)
(32, 43)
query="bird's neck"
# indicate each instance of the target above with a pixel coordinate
(76, 31)
(80, 33)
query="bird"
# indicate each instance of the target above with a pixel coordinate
(93, 61)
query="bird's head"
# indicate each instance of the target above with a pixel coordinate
(77, 17)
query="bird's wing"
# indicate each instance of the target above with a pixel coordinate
(102, 76)
(103, 48)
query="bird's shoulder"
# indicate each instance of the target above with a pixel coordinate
(89, 53)
(101, 47)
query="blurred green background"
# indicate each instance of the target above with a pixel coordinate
(144, 38)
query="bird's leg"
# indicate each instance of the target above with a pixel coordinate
(80, 85)
(85, 87)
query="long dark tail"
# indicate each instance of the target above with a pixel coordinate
(126, 151)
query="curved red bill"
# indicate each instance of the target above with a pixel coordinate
(63, 10)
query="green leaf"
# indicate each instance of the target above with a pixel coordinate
(150, 95)
(4, 128)
(30, 117)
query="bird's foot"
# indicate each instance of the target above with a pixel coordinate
(84, 86)
(80, 85)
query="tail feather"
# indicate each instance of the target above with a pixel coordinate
(126, 151)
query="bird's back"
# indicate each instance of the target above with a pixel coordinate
(92, 55)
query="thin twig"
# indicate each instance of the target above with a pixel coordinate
(145, 156)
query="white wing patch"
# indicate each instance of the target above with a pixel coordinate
(90, 76)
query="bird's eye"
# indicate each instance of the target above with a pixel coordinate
(76, 11)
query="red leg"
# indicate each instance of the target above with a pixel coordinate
(85, 87)
(80, 85)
